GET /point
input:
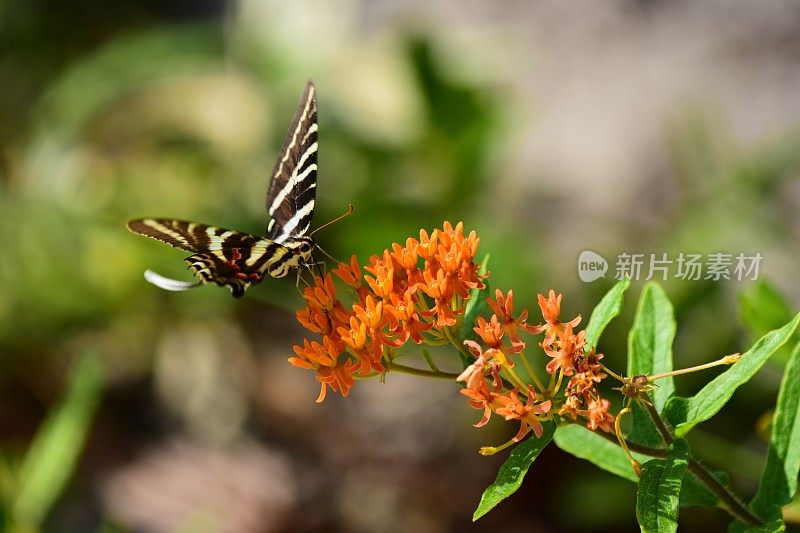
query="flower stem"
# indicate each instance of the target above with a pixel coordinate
(435, 374)
(612, 373)
(729, 499)
(531, 373)
(727, 360)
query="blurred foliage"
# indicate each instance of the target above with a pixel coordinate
(111, 111)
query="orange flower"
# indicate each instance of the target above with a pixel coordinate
(475, 371)
(570, 346)
(355, 337)
(322, 294)
(406, 256)
(589, 372)
(551, 310)
(371, 314)
(503, 307)
(480, 397)
(313, 354)
(426, 246)
(599, 417)
(490, 332)
(511, 408)
(338, 378)
(571, 407)
(404, 319)
(383, 282)
(314, 319)
(350, 274)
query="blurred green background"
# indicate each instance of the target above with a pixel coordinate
(629, 126)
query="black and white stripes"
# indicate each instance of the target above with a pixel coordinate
(290, 198)
(238, 260)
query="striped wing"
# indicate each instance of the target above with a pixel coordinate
(291, 194)
(225, 257)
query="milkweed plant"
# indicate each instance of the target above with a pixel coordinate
(431, 291)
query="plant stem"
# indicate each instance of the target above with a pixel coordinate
(727, 360)
(731, 501)
(435, 374)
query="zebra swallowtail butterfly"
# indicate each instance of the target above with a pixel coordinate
(239, 260)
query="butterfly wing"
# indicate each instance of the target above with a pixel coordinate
(188, 236)
(292, 191)
(228, 258)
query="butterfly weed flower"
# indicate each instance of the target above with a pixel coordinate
(413, 292)
(417, 292)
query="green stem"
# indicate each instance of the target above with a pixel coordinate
(429, 360)
(731, 501)
(435, 374)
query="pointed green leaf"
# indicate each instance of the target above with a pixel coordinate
(51, 458)
(650, 341)
(658, 494)
(590, 445)
(775, 526)
(685, 413)
(779, 480)
(510, 476)
(609, 307)
(650, 353)
(605, 454)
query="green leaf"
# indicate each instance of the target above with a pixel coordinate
(589, 445)
(609, 307)
(779, 480)
(775, 526)
(52, 456)
(650, 353)
(510, 476)
(650, 341)
(685, 413)
(658, 495)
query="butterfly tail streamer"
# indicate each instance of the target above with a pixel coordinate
(169, 284)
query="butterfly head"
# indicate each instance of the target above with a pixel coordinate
(304, 247)
(297, 253)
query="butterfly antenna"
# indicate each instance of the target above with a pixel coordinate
(169, 284)
(335, 220)
(335, 261)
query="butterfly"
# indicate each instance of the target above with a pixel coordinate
(238, 260)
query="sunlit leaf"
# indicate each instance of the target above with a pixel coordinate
(51, 458)
(650, 353)
(650, 341)
(685, 413)
(511, 474)
(779, 480)
(609, 307)
(589, 445)
(657, 497)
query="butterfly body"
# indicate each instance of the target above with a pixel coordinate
(238, 260)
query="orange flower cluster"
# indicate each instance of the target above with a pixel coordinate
(493, 385)
(417, 292)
